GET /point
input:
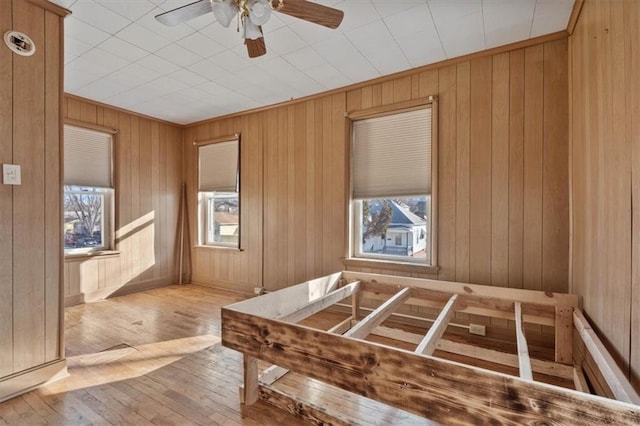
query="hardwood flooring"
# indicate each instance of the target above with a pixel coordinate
(155, 358)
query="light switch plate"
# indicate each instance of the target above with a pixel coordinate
(11, 174)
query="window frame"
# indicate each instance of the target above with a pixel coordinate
(108, 197)
(205, 198)
(108, 193)
(202, 218)
(354, 256)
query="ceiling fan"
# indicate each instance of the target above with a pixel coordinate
(253, 14)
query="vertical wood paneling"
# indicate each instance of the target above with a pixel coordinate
(555, 202)
(147, 177)
(533, 157)
(463, 94)
(486, 115)
(516, 167)
(500, 171)
(6, 199)
(28, 199)
(631, 32)
(53, 190)
(605, 146)
(447, 169)
(480, 172)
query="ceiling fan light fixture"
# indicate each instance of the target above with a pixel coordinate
(259, 11)
(251, 30)
(224, 11)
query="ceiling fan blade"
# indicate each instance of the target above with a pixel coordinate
(312, 12)
(255, 47)
(184, 13)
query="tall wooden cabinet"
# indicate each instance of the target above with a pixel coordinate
(31, 349)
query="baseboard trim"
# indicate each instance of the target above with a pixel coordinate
(25, 381)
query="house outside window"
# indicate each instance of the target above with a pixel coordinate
(218, 192)
(392, 208)
(88, 190)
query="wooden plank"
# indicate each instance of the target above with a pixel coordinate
(516, 166)
(439, 326)
(500, 170)
(320, 304)
(447, 135)
(29, 256)
(272, 374)
(305, 411)
(631, 13)
(276, 304)
(579, 381)
(533, 164)
(564, 334)
(6, 198)
(555, 202)
(250, 383)
(53, 186)
(526, 296)
(490, 355)
(614, 377)
(524, 363)
(436, 389)
(375, 318)
(480, 172)
(463, 108)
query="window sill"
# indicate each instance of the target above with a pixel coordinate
(393, 266)
(225, 248)
(91, 254)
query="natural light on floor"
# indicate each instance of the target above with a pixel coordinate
(127, 362)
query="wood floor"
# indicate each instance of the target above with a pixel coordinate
(156, 358)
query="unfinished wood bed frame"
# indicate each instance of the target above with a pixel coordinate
(430, 386)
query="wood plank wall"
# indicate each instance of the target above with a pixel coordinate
(30, 214)
(293, 171)
(148, 181)
(503, 207)
(605, 163)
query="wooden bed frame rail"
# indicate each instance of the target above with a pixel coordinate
(265, 328)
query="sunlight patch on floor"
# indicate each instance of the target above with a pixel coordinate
(126, 363)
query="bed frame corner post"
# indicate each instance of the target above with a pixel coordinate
(564, 334)
(249, 390)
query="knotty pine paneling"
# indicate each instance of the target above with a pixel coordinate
(503, 134)
(148, 187)
(605, 157)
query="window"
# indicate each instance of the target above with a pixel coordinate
(392, 212)
(88, 190)
(218, 184)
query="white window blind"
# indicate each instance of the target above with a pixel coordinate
(392, 155)
(87, 157)
(218, 167)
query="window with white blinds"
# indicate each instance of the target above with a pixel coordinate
(87, 157)
(218, 167)
(392, 155)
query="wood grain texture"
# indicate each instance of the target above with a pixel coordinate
(6, 198)
(481, 209)
(436, 389)
(533, 162)
(29, 253)
(53, 188)
(172, 370)
(604, 64)
(148, 177)
(480, 166)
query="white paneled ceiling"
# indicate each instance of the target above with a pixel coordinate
(118, 54)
